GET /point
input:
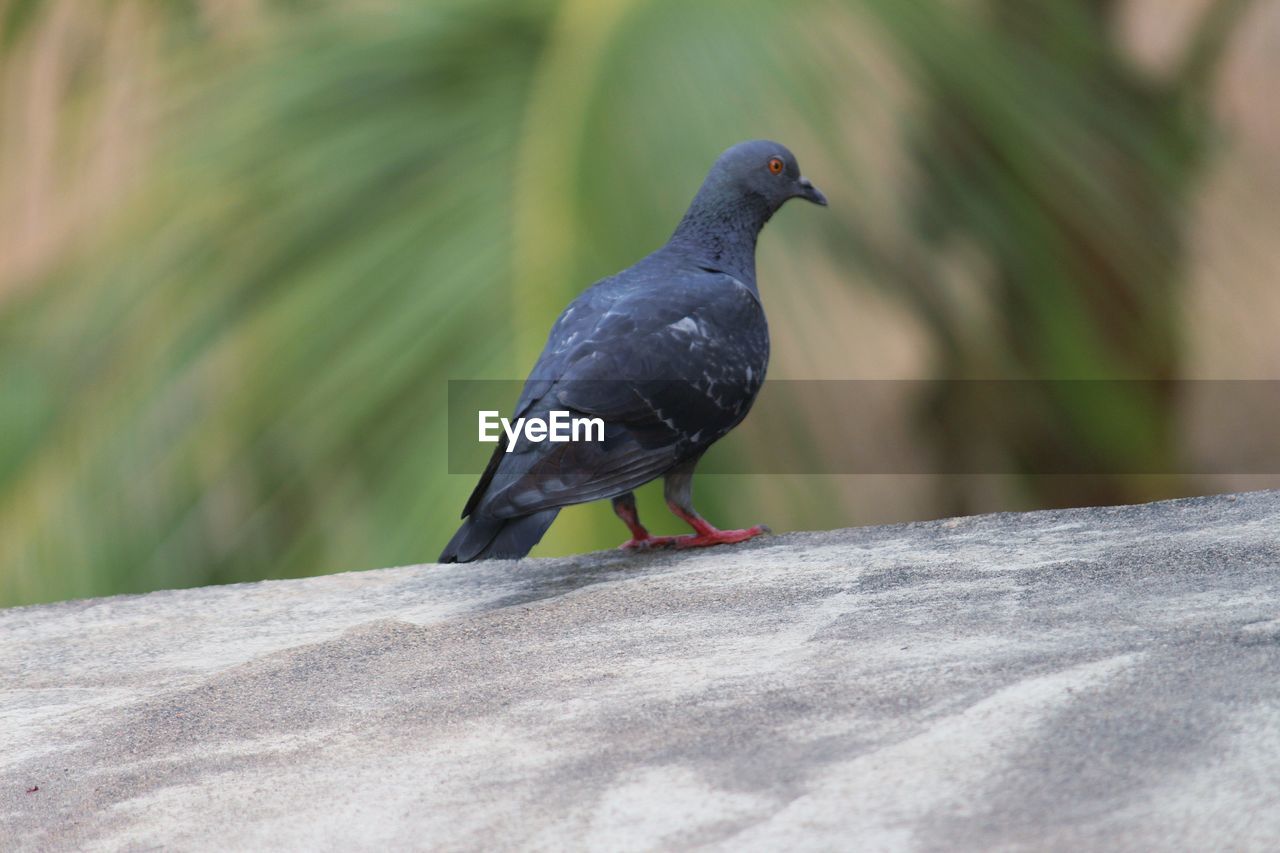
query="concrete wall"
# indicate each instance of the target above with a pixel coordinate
(1101, 677)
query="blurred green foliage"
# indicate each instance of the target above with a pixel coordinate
(1071, 176)
(242, 373)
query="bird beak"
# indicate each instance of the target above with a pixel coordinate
(811, 193)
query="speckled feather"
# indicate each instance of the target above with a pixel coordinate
(670, 360)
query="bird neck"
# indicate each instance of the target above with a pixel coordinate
(720, 229)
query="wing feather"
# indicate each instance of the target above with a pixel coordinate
(669, 366)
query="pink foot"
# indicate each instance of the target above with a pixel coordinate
(712, 536)
(647, 543)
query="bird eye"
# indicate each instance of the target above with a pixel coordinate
(775, 165)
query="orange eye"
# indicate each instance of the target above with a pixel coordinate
(776, 166)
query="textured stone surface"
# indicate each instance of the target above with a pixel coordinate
(1097, 678)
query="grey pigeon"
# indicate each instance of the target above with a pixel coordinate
(669, 353)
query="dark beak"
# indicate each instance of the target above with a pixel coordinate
(811, 193)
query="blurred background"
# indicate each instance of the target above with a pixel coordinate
(244, 245)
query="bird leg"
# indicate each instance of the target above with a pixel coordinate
(641, 540)
(678, 490)
(707, 534)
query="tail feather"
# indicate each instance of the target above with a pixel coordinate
(482, 538)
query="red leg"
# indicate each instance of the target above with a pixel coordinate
(641, 540)
(708, 535)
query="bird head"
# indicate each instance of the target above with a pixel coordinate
(766, 169)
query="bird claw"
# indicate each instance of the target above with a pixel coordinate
(719, 537)
(648, 543)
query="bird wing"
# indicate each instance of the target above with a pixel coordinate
(669, 363)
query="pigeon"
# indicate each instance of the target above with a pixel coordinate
(669, 353)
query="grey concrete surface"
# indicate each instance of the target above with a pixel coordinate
(1096, 679)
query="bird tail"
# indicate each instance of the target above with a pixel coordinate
(483, 538)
